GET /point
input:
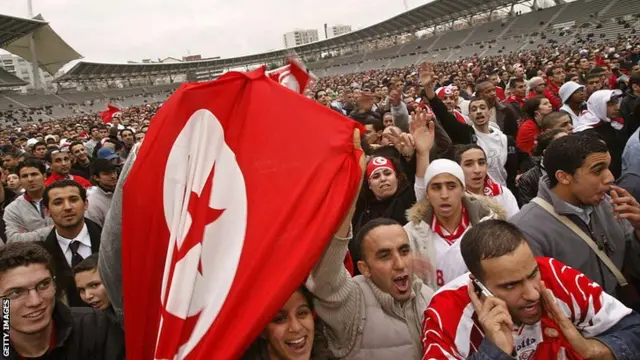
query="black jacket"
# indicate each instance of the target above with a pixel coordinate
(65, 284)
(369, 208)
(615, 140)
(82, 334)
(465, 134)
(629, 108)
(528, 184)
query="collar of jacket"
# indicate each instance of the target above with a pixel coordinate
(105, 191)
(478, 207)
(559, 205)
(63, 323)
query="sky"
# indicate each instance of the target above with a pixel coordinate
(120, 30)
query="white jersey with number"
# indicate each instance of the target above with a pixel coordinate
(449, 262)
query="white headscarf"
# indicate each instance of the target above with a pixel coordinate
(597, 111)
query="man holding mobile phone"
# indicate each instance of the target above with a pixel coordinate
(522, 307)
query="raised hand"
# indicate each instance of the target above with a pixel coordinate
(426, 74)
(625, 206)
(495, 320)
(586, 348)
(422, 129)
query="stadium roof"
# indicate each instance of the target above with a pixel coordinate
(430, 14)
(13, 28)
(9, 80)
(52, 52)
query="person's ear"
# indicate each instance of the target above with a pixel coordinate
(563, 177)
(364, 269)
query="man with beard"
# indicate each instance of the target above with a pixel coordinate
(73, 237)
(60, 162)
(578, 189)
(104, 174)
(82, 161)
(128, 140)
(386, 296)
(512, 305)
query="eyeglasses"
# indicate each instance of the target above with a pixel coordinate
(42, 287)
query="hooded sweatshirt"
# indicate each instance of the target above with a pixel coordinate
(596, 114)
(595, 121)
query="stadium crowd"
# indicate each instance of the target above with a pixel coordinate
(498, 218)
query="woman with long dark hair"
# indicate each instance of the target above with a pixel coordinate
(294, 333)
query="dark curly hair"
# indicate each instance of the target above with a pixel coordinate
(320, 351)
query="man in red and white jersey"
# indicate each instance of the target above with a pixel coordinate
(442, 215)
(515, 306)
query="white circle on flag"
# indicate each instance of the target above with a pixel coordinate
(378, 161)
(199, 147)
(287, 79)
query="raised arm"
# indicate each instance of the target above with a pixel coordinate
(337, 296)
(458, 132)
(423, 133)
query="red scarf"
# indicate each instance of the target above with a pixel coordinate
(491, 188)
(457, 233)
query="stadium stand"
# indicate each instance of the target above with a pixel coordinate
(499, 33)
(9, 80)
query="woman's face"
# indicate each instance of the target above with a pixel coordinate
(13, 182)
(290, 333)
(545, 107)
(383, 183)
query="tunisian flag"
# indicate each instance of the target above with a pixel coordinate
(294, 75)
(107, 115)
(234, 195)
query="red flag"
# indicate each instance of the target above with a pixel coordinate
(244, 206)
(107, 115)
(293, 75)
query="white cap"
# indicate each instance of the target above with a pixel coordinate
(444, 166)
(567, 89)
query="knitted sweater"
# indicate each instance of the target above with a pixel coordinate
(353, 308)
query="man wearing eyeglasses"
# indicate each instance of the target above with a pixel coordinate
(60, 162)
(43, 327)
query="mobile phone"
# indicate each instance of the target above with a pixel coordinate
(481, 289)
